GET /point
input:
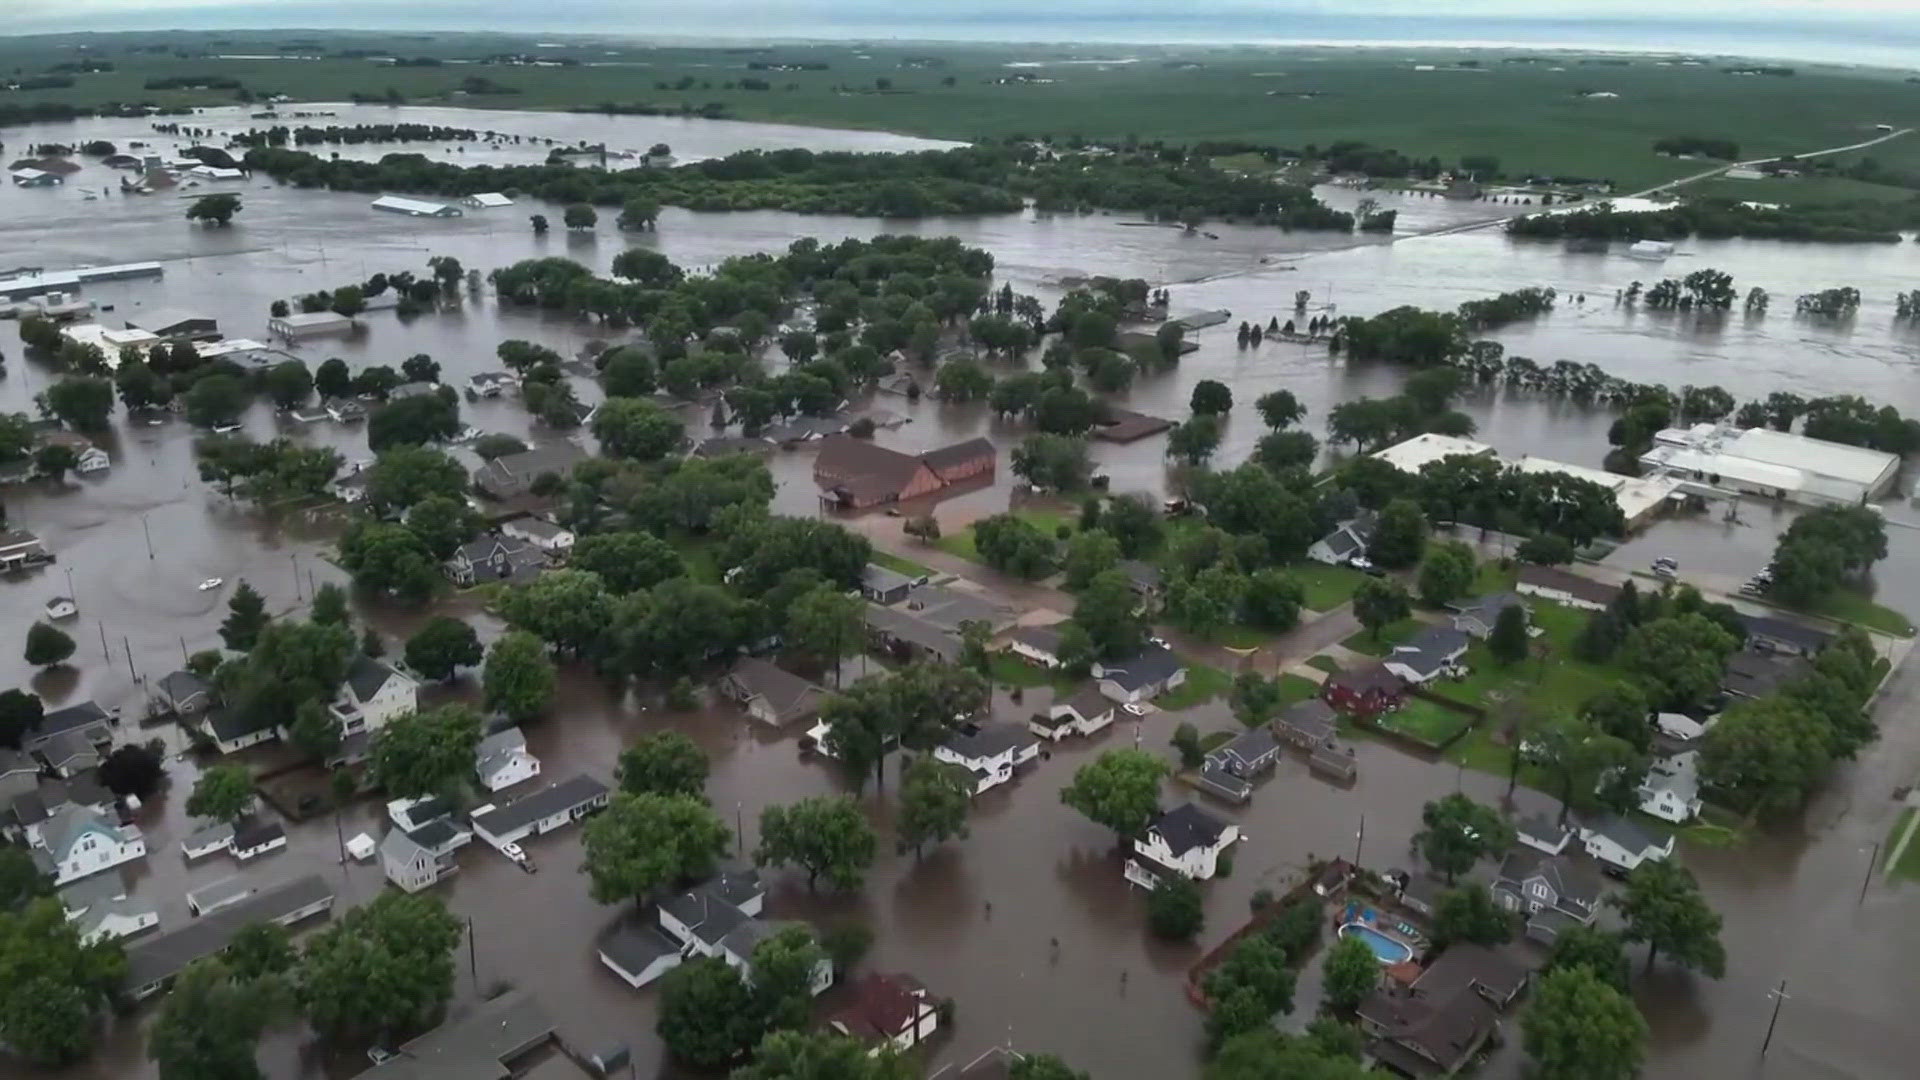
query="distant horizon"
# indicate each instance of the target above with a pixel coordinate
(1886, 37)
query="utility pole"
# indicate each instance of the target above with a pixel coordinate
(1778, 996)
(473, 956)
(148, 531)
(1868, 879)
(128, 645)
(1359, 839)
(739, 832)
(184, 658)
(296, 575)
(104, 651)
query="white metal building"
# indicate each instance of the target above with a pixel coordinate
(395, 204)
(1408, 456)
(1775, 464)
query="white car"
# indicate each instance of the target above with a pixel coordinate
(212, 583)
(1134, 710)
(1360, 562)
(512, 851)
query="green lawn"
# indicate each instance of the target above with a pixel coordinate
(1423, 720)
(1851, 605)
(1555, 685)
(1010, 670)
(1294, 689)
(1801, 189)
(1214, 740)
(899, 565)
(1047, 521)
(1908, 868)
(1239, 636)
(1327, 586)
(1203, 685)
(1392, 634)
(1325, 663)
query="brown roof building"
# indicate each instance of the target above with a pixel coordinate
(857, 474)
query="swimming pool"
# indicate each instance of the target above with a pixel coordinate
(1389, 950)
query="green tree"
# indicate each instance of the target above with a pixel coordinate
(55, 460)
(1447, 574)
(140, 387)
(329, 607)
(1457, 832)
(222, 793)
(54, 987)
(315, 730)
(1546, 549)
(1211, 398)
(1399, 536)
(425, 754)
(1053, 462)
(1469, 914)
(646, 842)
(934, 798)
(639, 212)
(20, 880)
(1273, 600)
(1120, 789)
(1248, 987)
(1012, 544)
(1108, 611)
(829, 1055)
(1195, 441)
(246, 617)
(442, 647)
(405, 475)
(288, 383)
(826, 624)
(1349, 974)
(1662, 906)
(1580, 1028)
(380, 969)
(627, 561)
(578, 216)
(825, 836)
(333, 379)
(663, 763)
(636, 428)
(1043, 1067)
(1378, 603)
(80, 401)
(1280, 409)
(1679, 658)
(210, 1025)
(1090, 553)
(1174, 911)
(217, 209)
(1599, 951)
(20, 715)
(215, 401)
(414, 421)
(1508, 642)
(1208, 601)
(443, 523)
(390, 560)
(259, 951)
(782, 972)
(46, 645)
(570, 610)
(1268, 1055)
(708, 1016)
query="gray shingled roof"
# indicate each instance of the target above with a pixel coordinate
(169, 953)
(1153, 664)
(473, 1047)
(365, 677)
(988, 740)
(548, 801)
(1186, 827)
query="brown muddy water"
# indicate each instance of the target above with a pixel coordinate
(978, 919)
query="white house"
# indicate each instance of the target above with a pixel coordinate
(1564, 587)
(990, 752)
(502, 760)
(253, 838)
(1086, 712)
(1543, 834)
(1554, 892)
(888, 1012)
(1343, 543)
(555, 541)
(206, 841)
(1424, 656)
(76, 842)
(1186, 840)
(411, 814)
(486, 200)
(226, 892)
(372, 695)
(152, 964)
(1671, 789)
(721, 918)
(1679, 726)
(540, 812)
(395, 204)
(418, 859)
(101, 910)
(1149, 673)
(1037, 644)
(1621, 846)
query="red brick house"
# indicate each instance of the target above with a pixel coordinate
(857, 474)
(1364, 691)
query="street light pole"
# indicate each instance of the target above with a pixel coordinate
(1778, 996)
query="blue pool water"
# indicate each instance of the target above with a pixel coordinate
(1389, 950)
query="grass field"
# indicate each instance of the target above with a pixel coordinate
(899, 565)
(1529, 113)
(1047, 521)
(1203, 685)
(1848, 605)
(1294, 689)
(1908, 868)
(1556, 685)
(1802, 189)
(1009, 670)
(1325, 663)
(1425, 721)
(1327, 587)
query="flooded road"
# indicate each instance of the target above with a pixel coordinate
(976, 920)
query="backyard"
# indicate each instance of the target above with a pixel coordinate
(1047, 521)
(1550, 681)
(1425, 722)
(1203, 685)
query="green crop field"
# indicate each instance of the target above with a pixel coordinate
(1534, 114)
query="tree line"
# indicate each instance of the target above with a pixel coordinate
(1721, 219)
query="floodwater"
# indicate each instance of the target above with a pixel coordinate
(977, 920)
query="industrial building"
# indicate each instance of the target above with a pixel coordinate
(1773, 464)
(394, 204)
(1640, 498)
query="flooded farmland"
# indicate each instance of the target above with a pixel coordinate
(1027, 923)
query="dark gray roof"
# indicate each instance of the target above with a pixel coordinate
(1540, 827)
(1369, 676)
(220, 832)
(89, 891)
(514, 473)
(365, 677)
(62, 750)
(1153, 664)
(1626, 833)
(1246, 749)
(787, 694)
(959, 453)
(1445, 1027)
(548, 801)
(71, 718)
(635, 941)
(29, 808)
(1142, 575)
(1568, 880)
(1046, 639)
(1089, 702)
(252, 834)
(1799, 635)
(435, 834)
(722, 445)
(1431, 649)
(12, 761)
(181, 685)
(1186, 827)
(1311, 717)
(230, 724)
(1342, 542)
(1753, 674)
(1211, 777)
(220, 893)
(1468, 965)
(709, 916)
(909, 628)
(1487, 608)
(166, 954)
(474, 1047)
(988, 740)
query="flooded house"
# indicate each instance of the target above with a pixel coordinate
(770, 693)
(856, 474)
(1184, 840)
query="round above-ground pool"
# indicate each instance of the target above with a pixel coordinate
(1390, 950)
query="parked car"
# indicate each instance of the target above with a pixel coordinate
(1132, 709)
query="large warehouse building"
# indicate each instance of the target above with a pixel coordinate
(1773, 464)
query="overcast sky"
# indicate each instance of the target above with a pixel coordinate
(1573, 21)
